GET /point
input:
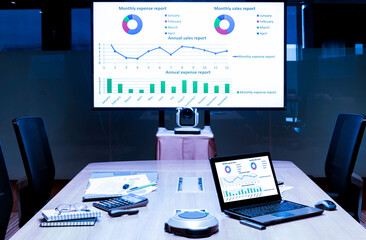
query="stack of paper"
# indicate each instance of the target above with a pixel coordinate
(114, 185)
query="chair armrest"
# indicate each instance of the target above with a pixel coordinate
(333, 195)
(357, 180)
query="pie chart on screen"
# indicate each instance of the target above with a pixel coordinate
(132, 24)
(253, 166)
(224, 24)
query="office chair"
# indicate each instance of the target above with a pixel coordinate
(6, 196)
(33, 191)
(344, 185)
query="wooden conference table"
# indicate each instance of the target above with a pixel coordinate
(149, 222)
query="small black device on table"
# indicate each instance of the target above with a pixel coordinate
(120, 212)
(125, 202)
(99, 197)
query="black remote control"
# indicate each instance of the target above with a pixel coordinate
(120, 212)
(99, 197)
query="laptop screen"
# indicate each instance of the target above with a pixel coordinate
(246, 178)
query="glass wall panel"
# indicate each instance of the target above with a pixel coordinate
(20, 30)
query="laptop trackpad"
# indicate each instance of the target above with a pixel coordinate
(283, 214)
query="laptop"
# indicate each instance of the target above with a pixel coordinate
(247, 188)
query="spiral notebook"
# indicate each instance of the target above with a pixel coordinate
(69, 223)
(53, 215)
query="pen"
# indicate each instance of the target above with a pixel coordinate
(145, 186)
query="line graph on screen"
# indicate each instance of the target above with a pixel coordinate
(152, 53)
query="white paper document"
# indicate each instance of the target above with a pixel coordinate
(114, 185)
(284, 188)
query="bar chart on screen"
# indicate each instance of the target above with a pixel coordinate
(241, 186)
(169, 86)
(242, 193)
(167, 55)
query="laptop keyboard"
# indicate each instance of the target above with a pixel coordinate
(268, 209)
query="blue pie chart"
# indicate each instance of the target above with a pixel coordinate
(132, 17)
(227, 18)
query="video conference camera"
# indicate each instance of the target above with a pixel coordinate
(187, 120)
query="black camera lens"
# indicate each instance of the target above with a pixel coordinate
(187, 113)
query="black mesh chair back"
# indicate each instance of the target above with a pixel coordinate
(38, 163)
(342, 155)
(6, 196)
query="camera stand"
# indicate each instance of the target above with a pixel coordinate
(184, 146)
(187, 130)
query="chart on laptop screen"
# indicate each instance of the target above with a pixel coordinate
(246, 178)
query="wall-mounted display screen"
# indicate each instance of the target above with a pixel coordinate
(189, 54)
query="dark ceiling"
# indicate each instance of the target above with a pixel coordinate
(39, 4)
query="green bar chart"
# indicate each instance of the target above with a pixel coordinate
(216, 89)
(243, 193)
(195, 86)
(184, 86)
(162, 86)
(205, 88)
(109, 85)
(174, 86)
(227, 88)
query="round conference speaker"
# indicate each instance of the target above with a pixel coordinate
(192, 224)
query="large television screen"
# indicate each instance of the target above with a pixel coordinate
(189, 54)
